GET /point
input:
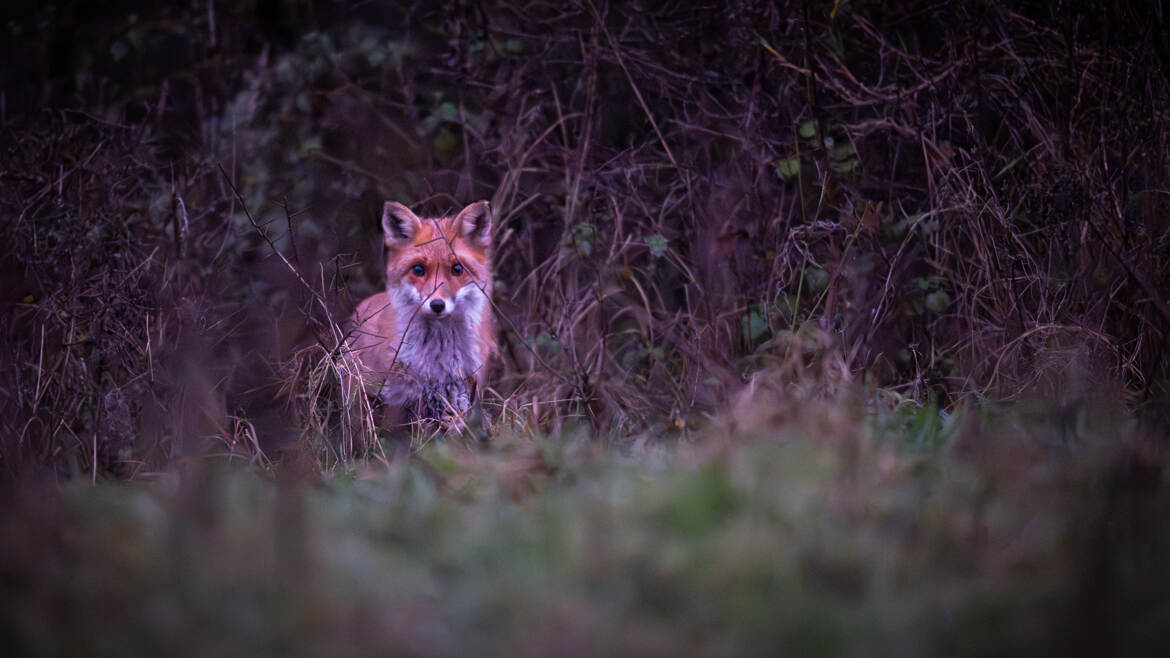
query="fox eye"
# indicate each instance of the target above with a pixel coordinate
(418, 270)
(457, 269)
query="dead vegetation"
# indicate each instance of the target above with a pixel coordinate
(827, 329)
(953, 202)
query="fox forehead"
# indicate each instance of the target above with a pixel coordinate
(437, 241)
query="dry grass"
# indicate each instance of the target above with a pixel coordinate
(954, 202)
(825, 329)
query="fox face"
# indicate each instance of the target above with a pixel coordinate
(437, 269)
(421, 346)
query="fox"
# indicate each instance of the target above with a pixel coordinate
(421, 346)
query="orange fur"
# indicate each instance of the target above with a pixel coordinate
(422, 345)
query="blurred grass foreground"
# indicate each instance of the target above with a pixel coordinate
(826, 328)
(832, 533)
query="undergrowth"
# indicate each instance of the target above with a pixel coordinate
(954, 202)
(824, 328)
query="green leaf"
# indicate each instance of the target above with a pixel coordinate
(807, 129)
(658, 245)
(923, 430)
(448, 111)
(547, 345)
(815, 280)
(845, 166)
(583, 238)
(427, 125)
(895, 230)
(445, 143)
(938, 301)
(790, 169)
(753, 325)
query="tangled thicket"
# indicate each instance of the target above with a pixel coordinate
(959, 199)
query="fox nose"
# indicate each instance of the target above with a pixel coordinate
(437, 305)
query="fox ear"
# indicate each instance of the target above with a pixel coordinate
(475, 223)
(398, 223)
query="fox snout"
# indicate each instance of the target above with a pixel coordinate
(439, 307)
(466, 301)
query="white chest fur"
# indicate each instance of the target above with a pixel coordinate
(438, 358)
